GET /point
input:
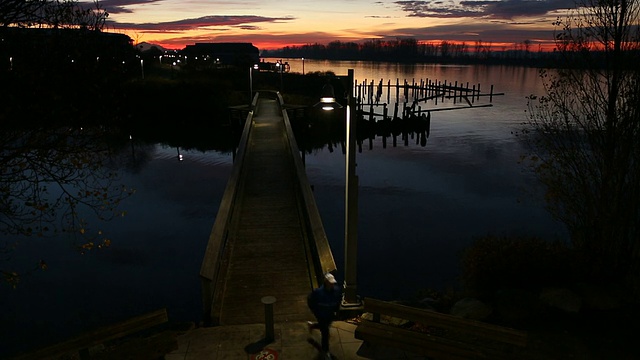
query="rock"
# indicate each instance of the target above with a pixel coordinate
(394, 321)
(385, 319)
(598, 297)
(367, 316)
(429, 303)
(470, 308)
(513, 305)
(560, 298)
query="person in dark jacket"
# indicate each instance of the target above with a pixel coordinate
(324, 302)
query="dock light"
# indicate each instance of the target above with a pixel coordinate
(251, 68)
(328, 99)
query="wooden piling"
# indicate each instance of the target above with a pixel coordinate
(473, 94)
(455, 91)
(371, 113)
(389, 91)
(413, 88)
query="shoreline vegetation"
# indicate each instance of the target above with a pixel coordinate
(410, 51)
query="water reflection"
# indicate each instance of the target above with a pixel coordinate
(52, 177)
(326, 130)
(67, 186)
(423, 197)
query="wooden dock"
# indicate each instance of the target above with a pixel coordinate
(268, 239)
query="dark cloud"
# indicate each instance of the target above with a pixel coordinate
(494, 32)
(243, 21)
(267, 41)
(509, 9)
(119, 6)
(494, 9)
(249, 27)
(436, 8)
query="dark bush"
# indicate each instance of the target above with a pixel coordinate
(492, 263)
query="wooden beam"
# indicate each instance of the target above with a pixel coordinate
(454, 323)
(100, 335)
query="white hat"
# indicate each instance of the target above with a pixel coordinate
(330, 278)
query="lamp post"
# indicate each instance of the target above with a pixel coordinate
(250, 83)
(251, 68)
(302, 66)
(350, 297)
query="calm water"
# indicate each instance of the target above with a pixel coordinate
(419, 207)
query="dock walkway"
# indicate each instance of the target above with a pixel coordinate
(267, 250)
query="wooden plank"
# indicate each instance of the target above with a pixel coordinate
(100, 335)
(454, 323)
(266, 253)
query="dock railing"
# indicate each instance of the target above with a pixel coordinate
(318, 242)
(218, 236)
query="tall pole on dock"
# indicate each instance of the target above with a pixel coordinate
(350, 298)
(250, 84)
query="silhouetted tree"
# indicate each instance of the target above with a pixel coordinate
(585, 134)
(445, 48)
(55, 181)
(51, 14)
(20, 12)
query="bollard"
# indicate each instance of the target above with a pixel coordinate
(268, 317)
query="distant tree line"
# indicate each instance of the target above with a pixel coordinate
(411, 50)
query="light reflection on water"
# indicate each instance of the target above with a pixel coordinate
(164, 152)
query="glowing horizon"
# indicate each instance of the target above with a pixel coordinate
(270, 24)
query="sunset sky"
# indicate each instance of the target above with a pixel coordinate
(272, 24)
